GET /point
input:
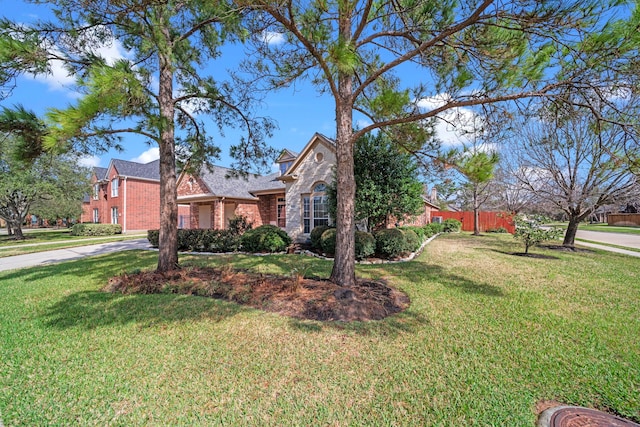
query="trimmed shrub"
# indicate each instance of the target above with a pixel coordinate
(412, 241)
(420, 231)
(451, 225)
(365, 245)
(390, 242)
(316, 235)
(239, 225)
(266, 238)
(199, 240)
(497, 230)
(328, 241)
(96, 229)
(433, 228)
(153, 236)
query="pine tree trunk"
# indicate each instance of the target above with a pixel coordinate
(570, 234)
(343, 272)
(168, 237)
(344, 263)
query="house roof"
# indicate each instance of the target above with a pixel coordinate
(101, 173)
(150, 171)
(286, 155)
(221, 183)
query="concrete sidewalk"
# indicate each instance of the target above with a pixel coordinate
(60, 255)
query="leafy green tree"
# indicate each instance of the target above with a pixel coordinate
(387, 184)
(478, 168)
(464, 54)
(70, 184)
(50, 185)
(160, 91)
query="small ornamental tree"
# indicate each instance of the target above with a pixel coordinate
(530, 230)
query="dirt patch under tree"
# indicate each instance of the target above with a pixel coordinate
(294, 296)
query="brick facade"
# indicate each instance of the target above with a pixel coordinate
(135, 205)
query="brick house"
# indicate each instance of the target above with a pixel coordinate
(126, 193)
(293, 198)
(213, 197)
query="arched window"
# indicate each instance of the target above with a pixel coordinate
(315, 208)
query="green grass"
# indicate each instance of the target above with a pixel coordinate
(38, 241)
(487, 335)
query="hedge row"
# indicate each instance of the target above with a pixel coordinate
(387, 243)
(96, 229)
(201, 240)
(266, 238)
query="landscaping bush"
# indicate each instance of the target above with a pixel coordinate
(96, 229)
(365, 245)
(420, 231)
(316, 235)
(328, 241)
(239, 225)
(201, 240)
(153, 236)
(433, 229)
(451, 225)
(412, 241)
(266, 238)
(497, 230)
(390, 243)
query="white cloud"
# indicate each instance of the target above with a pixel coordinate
(454, 126)
(89, 161)
(362, 123)
(147, 156)
(272, 37)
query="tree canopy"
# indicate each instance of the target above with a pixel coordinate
(34, 182)
(161, 90)
(485, 57)
(577, 166)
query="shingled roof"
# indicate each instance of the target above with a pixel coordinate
(101, 173)
(150, 171)
(220, 183)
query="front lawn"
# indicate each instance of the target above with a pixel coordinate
(487, 337)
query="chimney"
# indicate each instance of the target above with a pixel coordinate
(434, 195)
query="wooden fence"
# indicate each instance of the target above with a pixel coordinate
(624, 219)
(487, 221)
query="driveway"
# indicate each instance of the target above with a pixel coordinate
(618, 239)
(60, 255)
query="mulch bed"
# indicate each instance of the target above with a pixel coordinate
(295, 296)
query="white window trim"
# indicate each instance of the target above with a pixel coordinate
(115, 184)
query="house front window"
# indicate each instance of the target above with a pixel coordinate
(96, 191)
(281, 212)
(315, 208)
(114, 187)
(96, 216)
(114, 215)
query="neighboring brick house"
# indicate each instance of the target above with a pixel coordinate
(126, 193)
(293, 199)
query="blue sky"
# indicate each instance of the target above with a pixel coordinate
(299, 112)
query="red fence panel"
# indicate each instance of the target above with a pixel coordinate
(486, 220)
